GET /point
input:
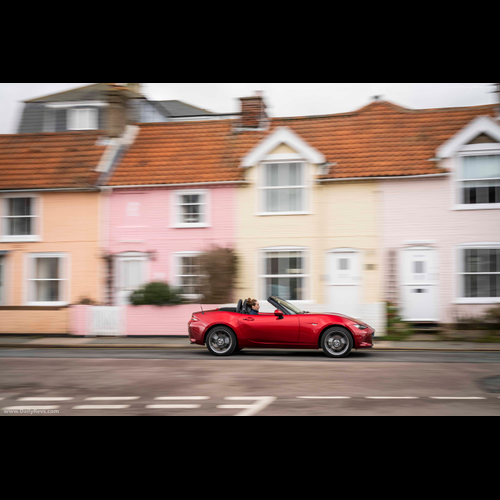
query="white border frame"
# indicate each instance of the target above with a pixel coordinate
(436, 282)
(64, 269)
(207, 196)
(361, 283)
(174, 276)
(70, 118)
(261, 188)
(120, 257)
(458, 273)
(37, 226)
(471, 150)
(260, 287)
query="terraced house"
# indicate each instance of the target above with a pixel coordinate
(52, 238)
(49, 238)
(339, 212)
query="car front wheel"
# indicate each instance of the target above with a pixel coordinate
(336, 342)
(221, 341)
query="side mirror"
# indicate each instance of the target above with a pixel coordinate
(278, 313)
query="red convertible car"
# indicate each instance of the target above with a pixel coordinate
(228, 329)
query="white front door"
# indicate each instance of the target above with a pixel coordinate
(419, 284)
(130, 274)
(344, 282)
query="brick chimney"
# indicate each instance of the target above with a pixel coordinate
(253, 112)
(116, 118)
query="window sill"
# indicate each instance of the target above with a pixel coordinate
(478, 300)
(34, 308)
(283, 213)
(183, 226)
(19, 239)
(47, 304)
(478, 206)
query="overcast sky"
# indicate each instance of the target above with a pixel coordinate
(282, 99)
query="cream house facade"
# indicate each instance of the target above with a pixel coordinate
(309, 241)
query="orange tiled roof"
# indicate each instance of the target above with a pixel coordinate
(49, 160)
(380, 139)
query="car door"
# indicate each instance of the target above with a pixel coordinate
(266, 328)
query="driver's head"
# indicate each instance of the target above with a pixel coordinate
(253, 303)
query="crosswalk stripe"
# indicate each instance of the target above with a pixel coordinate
(160, 407)
(100, 407)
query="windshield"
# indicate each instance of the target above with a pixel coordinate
(287, 306)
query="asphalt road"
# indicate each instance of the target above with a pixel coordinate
(192, 382)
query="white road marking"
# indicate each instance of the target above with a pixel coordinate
(456, 397)
(234, 406)
(179, 398)
(323, 397)
(260, 403)
(114, 398)
(44, 399)
(391, 397)
(159, 407)
(100, 407)
(30, 408)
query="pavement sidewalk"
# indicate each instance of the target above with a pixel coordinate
(32, 341)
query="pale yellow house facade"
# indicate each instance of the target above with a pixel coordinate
(314, 242)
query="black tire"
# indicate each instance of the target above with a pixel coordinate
(221, 336)
(336, 342)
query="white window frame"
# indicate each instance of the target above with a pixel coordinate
(176, 276)
(471, 150)
(37, 217)
(263, 188)
(64, 273)
(459, 273)
(262, 274)
(74, 120)
(205, 195)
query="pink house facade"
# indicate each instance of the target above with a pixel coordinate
(441, 233)
(153, 234)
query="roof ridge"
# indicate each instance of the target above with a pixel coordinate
(62, 92)
(384, 102)
(66, 132)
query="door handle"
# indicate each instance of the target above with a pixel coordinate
(248, 319)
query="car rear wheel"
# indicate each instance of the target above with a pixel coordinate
(336, 342)
(221, 341)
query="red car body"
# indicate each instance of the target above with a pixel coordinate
(282, 329)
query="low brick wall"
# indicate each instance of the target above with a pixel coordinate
(31, 320)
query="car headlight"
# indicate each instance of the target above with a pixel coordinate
(361, 327)
(194, 318)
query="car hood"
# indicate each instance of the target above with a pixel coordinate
(343, 316)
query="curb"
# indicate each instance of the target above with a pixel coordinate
(197, 347)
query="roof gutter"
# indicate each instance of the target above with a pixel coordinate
(394, 177)
(170, 185)
(28, 190)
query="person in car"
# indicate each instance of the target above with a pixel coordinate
(254, 306)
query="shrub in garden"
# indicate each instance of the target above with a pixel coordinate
(156, 293)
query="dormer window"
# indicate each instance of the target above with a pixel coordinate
(83, 119)
(480, 179)
(283, 188)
